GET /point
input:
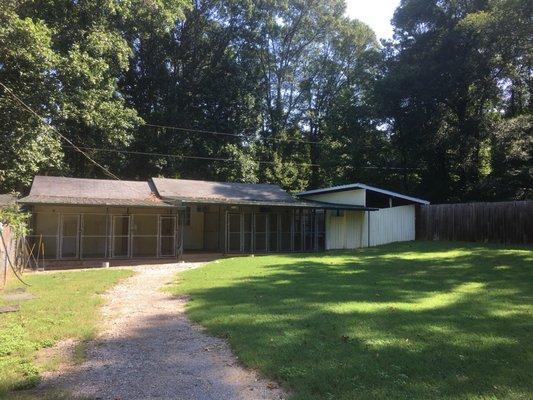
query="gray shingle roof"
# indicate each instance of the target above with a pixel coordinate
(189, 190)
(62, 190)
(162, 192)
(84, 201)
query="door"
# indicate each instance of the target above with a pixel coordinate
(120, 245)
(297, 226)
(247, 232)
(272, 232)
(260, 237)
(234, 233)
(309, 230)
(211, 232)
(167, 236)
(70, 229)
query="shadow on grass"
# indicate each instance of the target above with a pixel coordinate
(405, 321)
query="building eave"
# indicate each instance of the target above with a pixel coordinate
(88, 202)
(355, 186)
(295, 204)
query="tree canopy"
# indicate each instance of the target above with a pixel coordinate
(282, 91)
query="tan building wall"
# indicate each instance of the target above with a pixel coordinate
(193, 233)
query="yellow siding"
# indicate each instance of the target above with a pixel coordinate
(353, 197)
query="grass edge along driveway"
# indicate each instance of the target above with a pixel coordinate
(413, 320)
(66, 306)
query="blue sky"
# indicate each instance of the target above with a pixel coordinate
(376, 13)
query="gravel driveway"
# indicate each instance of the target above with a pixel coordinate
(148, 349)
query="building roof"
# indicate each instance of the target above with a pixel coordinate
(227, 192)
(7, 200)
(162, 192)
(353, 186)
(100, 192)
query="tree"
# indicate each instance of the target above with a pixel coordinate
(66, 65)
(511, 164)
(442, 86)
(194, 77)
(337, 116)
(25, 67)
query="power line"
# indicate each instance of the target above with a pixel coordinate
(107, 171)
(42, 120)
(112, 175)
(72, 145)
(242, 136)
(144, 153)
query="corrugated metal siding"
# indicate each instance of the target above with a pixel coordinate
(396, 224)
(387, 225)
(344, 232)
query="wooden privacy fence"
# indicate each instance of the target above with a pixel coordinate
(501, 222)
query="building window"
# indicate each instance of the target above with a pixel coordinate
(187, 219)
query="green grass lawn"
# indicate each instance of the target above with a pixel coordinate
(417, 320)
(66, 306)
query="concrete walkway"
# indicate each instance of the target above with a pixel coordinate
(148, 349)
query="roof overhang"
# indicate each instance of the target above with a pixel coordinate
(93, 202)
(355, 186)
(295, 204)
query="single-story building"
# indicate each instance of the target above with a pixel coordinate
(77, 219)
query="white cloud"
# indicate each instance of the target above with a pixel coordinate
(376, 13)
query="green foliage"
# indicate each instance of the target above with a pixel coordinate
(511, 158)
(421, 113)
(26, 59)
(418, 320)
(65, 61)
(454, 69)
(65, 307)
(16, 219)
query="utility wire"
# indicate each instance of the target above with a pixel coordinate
(144, 153)
(112, 175)
(71, 144)
(107, 171)
(30, 110)
(216, 133)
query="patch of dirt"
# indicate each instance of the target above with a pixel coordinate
(149, 349)
(61, 355)
(18, 296)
